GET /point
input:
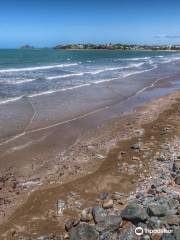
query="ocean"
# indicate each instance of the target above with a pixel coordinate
(32, 72)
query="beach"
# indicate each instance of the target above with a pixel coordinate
(67, 143)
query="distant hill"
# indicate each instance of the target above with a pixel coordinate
(117, 46)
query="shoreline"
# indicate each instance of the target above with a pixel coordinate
(112, 143)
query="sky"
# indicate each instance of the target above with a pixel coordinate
(46, 23)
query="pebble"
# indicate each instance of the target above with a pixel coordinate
(107, 203)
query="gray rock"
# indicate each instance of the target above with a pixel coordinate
(109, 236)
(128, 232)
(161, 158)
(173, 220)
(145, 237)
(99, 214)
(176, 165)
(49, 237)
(156, 222)
(167, 236)
(83, 231)
(25, 238)
(61, 206)
(158, 210)
(177, 179)
(134, 213)
(176, 233)
(109, 224)
(71, 223)
(136, 146)
(172, 203)
(140, 195)
(103, 195)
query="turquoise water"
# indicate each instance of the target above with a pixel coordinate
(28, 72)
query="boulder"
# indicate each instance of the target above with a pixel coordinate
(127, 232)
(134, 213)
(83, 231)
(177, 179)
(176, 165)
(173, 220)
(167, 236)
(156, 222)
(158, 210)
(71, 223)
(86, 215)
(109, 224)
(176, 233)
(103, 195)
(99, 214)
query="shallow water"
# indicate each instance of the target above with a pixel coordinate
(31, 72)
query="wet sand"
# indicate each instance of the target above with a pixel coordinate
(55, 139)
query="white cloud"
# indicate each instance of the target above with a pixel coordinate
(167, 36)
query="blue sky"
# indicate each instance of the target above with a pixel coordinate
(51, 22)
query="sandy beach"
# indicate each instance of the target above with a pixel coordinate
(44, 158)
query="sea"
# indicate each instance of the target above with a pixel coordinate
(32, 72)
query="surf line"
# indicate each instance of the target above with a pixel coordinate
(76, 118)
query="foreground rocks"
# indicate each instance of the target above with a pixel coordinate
(154, 209)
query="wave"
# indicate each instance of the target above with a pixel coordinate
(16, 82)
(10, 100)
(131, 59)
(64, 76)
(78, 86)
(37, 68)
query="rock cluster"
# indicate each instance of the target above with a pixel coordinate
(153, 209)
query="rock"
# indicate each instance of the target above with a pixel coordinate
(177, 179)
(86, 215)
(152, 191)
(71, 223)
(98, 213)
(140, 195)
(158, 210)
(103, 195)
(122, 201)
(118, 195)
(108, 203)
(127, 232)
(173, 220)
(176, 165)
(136, 146)
(176, 233)
(172, 203)
(156, 222)
(109, 224)
(109, 236)
(61, 206)
(66, 236)
(134, 212)
(48, 237)
(164, 131)
(167, 236)
(135, 158)
(145, 237)
(83, 231)
(161, 158)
